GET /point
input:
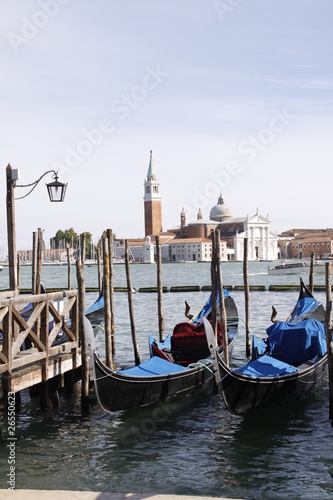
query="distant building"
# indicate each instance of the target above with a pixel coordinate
(300, 243)
(262, 243)
(191, 241)
(194, 249)
(152, 201)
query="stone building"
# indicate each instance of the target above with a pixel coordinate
(300, 243)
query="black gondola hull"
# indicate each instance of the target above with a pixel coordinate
(122, 392)
(242, 394)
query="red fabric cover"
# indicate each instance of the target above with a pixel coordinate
(189, 344)
(159, 352)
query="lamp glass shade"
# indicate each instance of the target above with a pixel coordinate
(56, 190)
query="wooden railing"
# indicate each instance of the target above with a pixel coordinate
(49, 315)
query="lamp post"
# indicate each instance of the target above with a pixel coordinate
(56, 191)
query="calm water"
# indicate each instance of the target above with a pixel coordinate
(194, 447)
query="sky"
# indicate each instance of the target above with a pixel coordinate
(232, 97)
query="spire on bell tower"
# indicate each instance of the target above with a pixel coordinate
(152, 201)
(151, 174)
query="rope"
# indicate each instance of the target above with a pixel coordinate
(202, 362)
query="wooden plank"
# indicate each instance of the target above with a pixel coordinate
(3, 313)
(32, 375)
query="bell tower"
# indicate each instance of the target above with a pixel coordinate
(152, 201)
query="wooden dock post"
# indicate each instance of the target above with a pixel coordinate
(39, 272)
(82, 336)
(113, 327)
(223, 316)
(39, 261)
(328, 326)
(107, 306)
(18, 272)
(83, 247)
(69, 268)
(130, 305)
(311, 281)
(247, 297)
(159, 289)
(11, 231)
(34, 264)
(99, 266)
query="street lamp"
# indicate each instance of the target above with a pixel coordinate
(56, 191)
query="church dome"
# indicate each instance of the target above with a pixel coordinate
(220, 211)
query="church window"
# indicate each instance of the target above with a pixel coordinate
(148, 189)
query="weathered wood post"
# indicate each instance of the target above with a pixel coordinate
(113, 326)
(69, 268)
(311, 285)
(159, 289)
(34, 264)
(328, 326)
(11, 232)
(223, 316)
(107, 306)
(18, 272)
(82, 337)
(39, 260)
(213, 283)
(83, 240)
(247, 297)
(39, 273)
(130, 305)
(99, 266)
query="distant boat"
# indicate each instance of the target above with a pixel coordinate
(1, 267)
(289, 268)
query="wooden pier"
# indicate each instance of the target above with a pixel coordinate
(30, 353)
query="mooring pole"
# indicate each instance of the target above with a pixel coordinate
(247, 297)
(213, 282)
(11, 233)
(223, 315)
(99, 266)
(113, 326)
(328, 326)
(311, 285)
(82, 337)
(69, 268)
(83, 240)
(18, 272)
(34, 264)
(130, 305)
(159, 289)
(107, 306)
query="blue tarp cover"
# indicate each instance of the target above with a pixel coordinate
(208, 306)
(266, 366)
(296, 344)
(153, 366)
(304, 306)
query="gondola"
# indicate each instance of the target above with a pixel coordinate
(161, 379)
(95, 313)
(285, 366)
